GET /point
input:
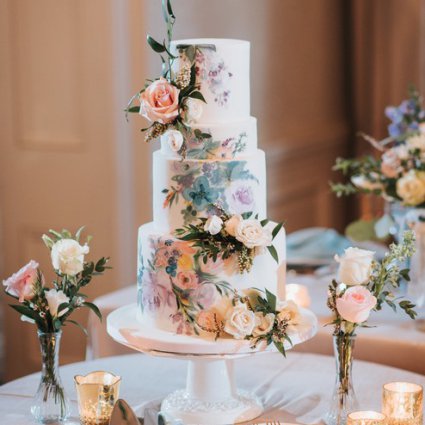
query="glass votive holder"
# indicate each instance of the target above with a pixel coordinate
(97, 393)
(402, 403)
(366, 418)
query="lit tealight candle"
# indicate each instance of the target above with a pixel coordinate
(402, 403)
(97, 393)
(366, 418)
(298, 294)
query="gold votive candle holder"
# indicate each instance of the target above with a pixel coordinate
(366, 417)
(97, 393)
(402, 403)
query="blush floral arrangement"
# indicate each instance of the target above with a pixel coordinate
(224, 235)
(172, 102)
(50, 309)
(398, 173)
(363, 285)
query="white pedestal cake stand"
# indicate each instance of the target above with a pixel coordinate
(210, 396)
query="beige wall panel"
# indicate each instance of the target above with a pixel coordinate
(47, 110)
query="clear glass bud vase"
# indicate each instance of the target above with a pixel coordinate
(344, 398)
(51, 405)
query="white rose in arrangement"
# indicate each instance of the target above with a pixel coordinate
(416, 142)
(55, 299)
(213, 225)
(363, 183)
(252, 234)
(232, 224)
(240, 322)
(401, 151)
(68, 256)
(411, 188)
(355, 266)
(174, 139)
(264, 324)
(193, 110)
(391, 164)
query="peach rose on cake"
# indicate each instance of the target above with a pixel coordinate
(265, 324)
(186, 280)
(231, 224)
(356, 304)
(21, 283)
(252, 234)
(160, 102)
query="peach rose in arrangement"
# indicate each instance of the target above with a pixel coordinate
(232, 224)
(21, 283)
(356, 304)
(187, 280)
(160, 102)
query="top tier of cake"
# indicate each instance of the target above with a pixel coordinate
(222, 69)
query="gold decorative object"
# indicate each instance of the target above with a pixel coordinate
(366, 418)
(97, 393)
(402, 403)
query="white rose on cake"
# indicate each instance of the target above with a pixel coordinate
(68, 256)
(193, 110)
(213, 225)
(174, 139)
(240, 321)
(411, 188)
(355, 266)
(252, 234)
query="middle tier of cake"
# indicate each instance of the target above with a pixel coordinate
(186, 190)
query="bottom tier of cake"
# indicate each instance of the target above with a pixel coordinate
(179, 293)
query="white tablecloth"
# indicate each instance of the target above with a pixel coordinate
(394, 342)
(296, 389)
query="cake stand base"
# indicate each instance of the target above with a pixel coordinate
(211, 397)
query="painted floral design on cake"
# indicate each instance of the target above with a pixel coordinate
(201, 185)
(211, 70)
(176, 281)
(203, 146)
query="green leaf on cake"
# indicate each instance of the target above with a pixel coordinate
(271, 299)
(197, 95)
(276, 230)
(273, 253)
(156, 47)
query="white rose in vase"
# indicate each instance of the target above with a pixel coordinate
(68, 256)
(240, 321)
(55, 299)
(174, 139)
(252, 234)
(192, 110)
(213, 225)
(355, 266)
(411, 188)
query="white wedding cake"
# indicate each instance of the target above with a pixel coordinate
(220, 168)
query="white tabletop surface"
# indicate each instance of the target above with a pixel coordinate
(394, 341)
(295, 390)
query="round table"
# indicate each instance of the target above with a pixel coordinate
(296, 389)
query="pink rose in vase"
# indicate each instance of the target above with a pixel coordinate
(21, 284)
(160, 102)
(356, 304)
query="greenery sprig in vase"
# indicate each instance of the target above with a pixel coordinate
(51, 308)
(363, 285)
